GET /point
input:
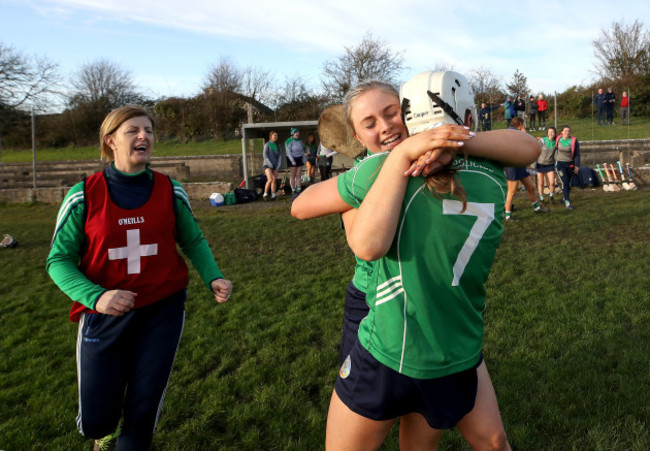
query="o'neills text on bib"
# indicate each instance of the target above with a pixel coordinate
(132, 250)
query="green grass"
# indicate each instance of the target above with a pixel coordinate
(589, 130)
(567, 336)
(161, 149)
(583, 129)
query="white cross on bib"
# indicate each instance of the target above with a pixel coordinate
(133, 251)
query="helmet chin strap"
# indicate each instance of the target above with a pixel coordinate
(405, 106)
(445, 107)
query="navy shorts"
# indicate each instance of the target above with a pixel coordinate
(514, 174)
(298, 160)
(354, 310)
(544, 168)
(378, 392)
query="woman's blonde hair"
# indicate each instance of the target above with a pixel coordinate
(112, 122)
(443, 181)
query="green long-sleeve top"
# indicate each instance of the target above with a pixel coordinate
(62, 263)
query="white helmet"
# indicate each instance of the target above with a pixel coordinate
(431, 99)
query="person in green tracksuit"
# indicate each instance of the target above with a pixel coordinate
(114, 254)
(418, 354)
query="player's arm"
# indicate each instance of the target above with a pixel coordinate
(318, 200)
(192, 241)
(508, 147)
(65, 251)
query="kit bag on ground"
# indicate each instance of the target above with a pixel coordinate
(230, 198)
(245, 195)
(586, 177)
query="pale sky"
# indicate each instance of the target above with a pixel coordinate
(169, 46)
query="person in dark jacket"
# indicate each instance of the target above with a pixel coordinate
(532, 112)
(485, 116)
(520, 108)
(610, 101)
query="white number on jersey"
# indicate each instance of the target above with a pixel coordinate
(485, 216)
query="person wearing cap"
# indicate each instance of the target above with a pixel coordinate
(295, 159)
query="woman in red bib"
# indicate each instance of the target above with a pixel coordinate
(114, 254)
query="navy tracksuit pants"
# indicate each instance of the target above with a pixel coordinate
(124, 364)
(565, 171)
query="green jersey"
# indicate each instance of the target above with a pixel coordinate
(363, 269)
(427, 294)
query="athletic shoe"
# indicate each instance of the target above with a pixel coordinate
(511, 219)
(8, 241)
(541, 210)
(569, 206)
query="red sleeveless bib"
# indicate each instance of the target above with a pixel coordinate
(131, 250)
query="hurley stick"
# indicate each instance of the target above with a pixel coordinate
(615, 187)
(629, 176)
(606, 186)
(335, 133)
(615, 176)
(624, 184)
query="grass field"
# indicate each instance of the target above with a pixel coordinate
(567, 332)
(583, 129)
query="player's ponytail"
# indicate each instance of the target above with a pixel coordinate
(445, 181)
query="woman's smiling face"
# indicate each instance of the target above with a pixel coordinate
(132, 144)
(377, 121)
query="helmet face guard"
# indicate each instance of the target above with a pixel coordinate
(431, 99)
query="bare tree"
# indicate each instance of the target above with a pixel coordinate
(98, 88)
(103, 83)
(257, 86)
(519, 85)
(370, 59)
(296, 102)
(442, 66)
(223, 77)
(623, 51)
(25, 80)
(294, 89)
(486, 86)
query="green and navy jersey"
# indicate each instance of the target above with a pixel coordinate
(564, 152)
(547, 156)
(427, 294)
(67, 243)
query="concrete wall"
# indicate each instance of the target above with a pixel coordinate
(198, 174)
(198, 192)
